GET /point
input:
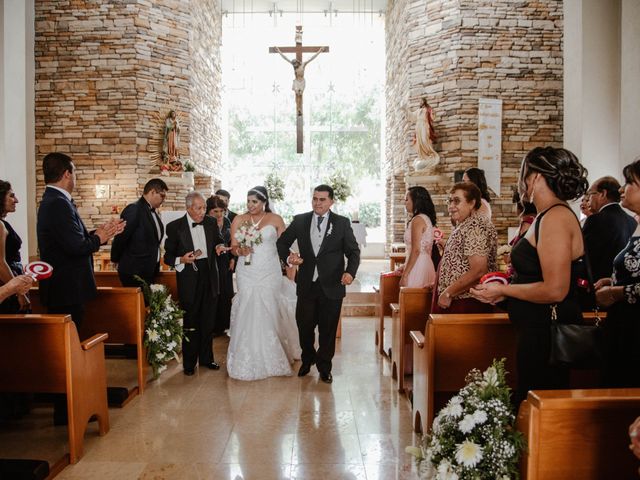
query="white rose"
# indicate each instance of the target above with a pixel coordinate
(156, 287)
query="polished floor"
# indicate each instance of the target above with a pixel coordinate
(212, 427)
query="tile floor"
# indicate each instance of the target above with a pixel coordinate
(211, 427)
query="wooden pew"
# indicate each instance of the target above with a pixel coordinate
(578, 434)
(121, 313)
(409, 314)
(388, 293)
(43, 354)
(111, 279)
(452, 345)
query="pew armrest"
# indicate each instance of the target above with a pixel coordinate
(395, 308)
(417, 337)
(93, 341)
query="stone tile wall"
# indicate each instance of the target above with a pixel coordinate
(107, 73)
(455, 52)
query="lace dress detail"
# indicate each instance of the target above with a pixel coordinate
(423, 273)
(264, 336)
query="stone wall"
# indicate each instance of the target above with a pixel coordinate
(107, 73)
(455, 52)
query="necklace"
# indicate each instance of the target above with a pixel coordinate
(255, 224)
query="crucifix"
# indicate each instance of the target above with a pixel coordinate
(298, 70)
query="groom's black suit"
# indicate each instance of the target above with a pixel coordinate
(320, 301)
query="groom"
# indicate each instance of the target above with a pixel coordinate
(324, 239)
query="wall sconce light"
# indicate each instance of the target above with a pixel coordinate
(103, 191)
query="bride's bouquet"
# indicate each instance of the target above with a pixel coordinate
(247, 236)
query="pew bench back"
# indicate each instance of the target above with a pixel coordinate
(578, 434)
(43, 354)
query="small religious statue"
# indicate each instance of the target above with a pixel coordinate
(298, 70)
(425, 136)
(171, 142)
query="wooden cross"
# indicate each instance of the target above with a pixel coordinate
(298, 82)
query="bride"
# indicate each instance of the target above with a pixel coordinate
(264, 336)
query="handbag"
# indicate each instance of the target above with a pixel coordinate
(576, 345)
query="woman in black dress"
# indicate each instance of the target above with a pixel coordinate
(621, 294)
(546, 263)
(10, 243)
(216, 208)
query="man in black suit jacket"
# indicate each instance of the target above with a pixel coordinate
(227, 196)
(65, 243)
(608, 230)
(137, 249)
(193, 241)
(324, 239)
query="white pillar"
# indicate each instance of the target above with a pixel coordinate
(630, 78)
(17, 132)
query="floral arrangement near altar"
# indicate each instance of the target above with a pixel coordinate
(163, 328)
(275, 187)
(341, 187)
(474, 435)
(247, 236)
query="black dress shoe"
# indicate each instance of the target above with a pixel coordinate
(326, 377)
(189, 371)
(304, 369)
(212, 366)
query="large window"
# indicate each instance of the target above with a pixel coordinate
(343, 113)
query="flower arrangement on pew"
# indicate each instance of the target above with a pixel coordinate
(473, 436)
(163, 328)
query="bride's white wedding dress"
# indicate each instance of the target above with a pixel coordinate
(264, 336)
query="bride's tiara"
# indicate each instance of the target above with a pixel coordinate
(258, 194)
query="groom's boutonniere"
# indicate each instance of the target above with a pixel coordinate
(330, 229)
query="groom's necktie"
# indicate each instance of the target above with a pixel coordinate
(320, 219)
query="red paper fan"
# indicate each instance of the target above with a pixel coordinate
(495, 277)
(38, 270)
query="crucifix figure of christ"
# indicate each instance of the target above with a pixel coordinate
(298, 81)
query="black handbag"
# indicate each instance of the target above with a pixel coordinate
(578, 345)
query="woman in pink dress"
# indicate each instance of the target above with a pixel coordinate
(419, 270)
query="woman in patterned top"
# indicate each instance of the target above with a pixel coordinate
(621, 293)
(470, 252)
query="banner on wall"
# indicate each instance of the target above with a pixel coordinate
(490, 140)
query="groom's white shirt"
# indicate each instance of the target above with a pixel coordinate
(317, 236)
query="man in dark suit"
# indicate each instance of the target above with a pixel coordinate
(324, 239)
(137, 249)
(65, 243)
(193, 241)
(608, 230)
(227, 196)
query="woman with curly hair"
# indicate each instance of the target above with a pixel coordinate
(10, 243)
(546, 263)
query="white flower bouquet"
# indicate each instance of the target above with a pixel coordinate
(473, 436)
(163, 327)
(247, 236)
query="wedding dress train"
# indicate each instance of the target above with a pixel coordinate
(264, 336)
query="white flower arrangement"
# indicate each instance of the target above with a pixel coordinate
(473, 436)
(247, 236)
(163, 327)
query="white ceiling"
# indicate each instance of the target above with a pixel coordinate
(231, 7)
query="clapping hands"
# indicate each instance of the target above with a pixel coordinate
(113, 227)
